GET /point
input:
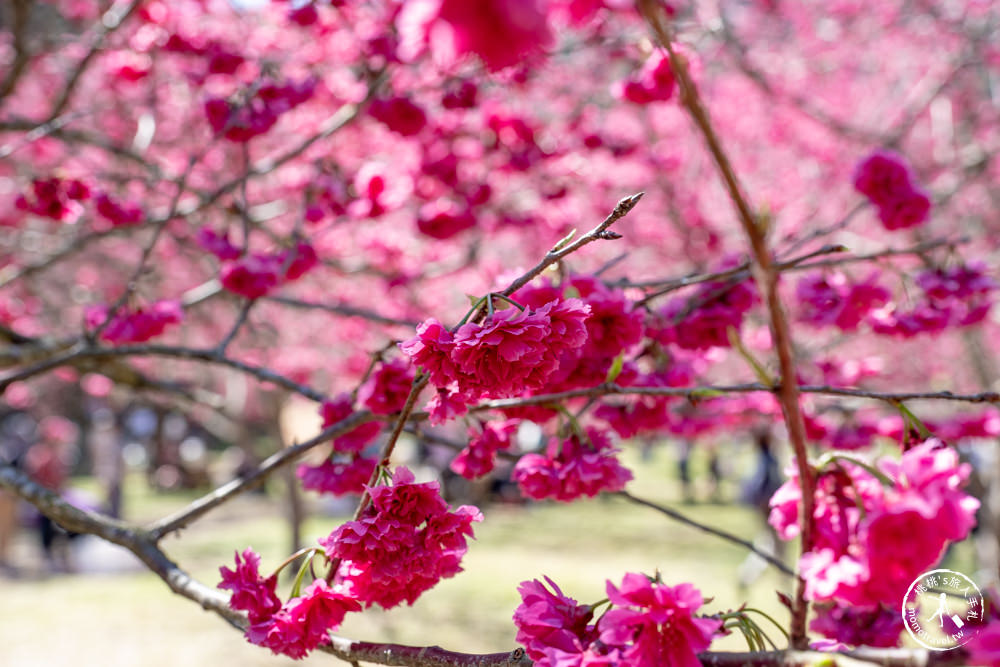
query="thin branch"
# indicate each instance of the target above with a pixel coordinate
(241, 319)
(232, 489)
(717, 532)
(600, 232)
(77, 356)
(22, 55)
(111, 20)
(342, 309)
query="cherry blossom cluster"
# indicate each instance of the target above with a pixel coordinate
(256, 274)
(581, 465)
(649, 624)
(345, 470)
(876, 529)
(403, 544)
(511, 351)
(958, 296)
(865, 428)
(832, 300)
(136, 325)
(295, 627)
(242, 120)
(478, 458)
(703, 320)
(55, 198)
(886, 180)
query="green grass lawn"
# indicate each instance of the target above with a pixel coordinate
(133, 619)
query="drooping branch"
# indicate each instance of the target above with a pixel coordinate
(85, 356)
(717, 532)
(227, 492)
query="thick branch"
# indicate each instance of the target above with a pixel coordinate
(767, 283)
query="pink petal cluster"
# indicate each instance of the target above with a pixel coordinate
(405, 542)
(572, 468)
(655, 624)
(649, 624)
(701, 321)
(879, 625)
(241, 122)
(511, 352)
(399, 114)
(252, 593)
(118, 214)
(251, 276)
(641, 414)
(55, 198)
(553, 628)
(254, 275)
(303, 623)
(613, 327)
(886, 180)
(339, 475)
(217, 244)
(870, 542)
(653, 83)
(984, 647)
(443, 218)
(386, 389)
(345, 470)
(954, 297)
(479, 456)
(500, 32)
(135, 325)
(831, 300)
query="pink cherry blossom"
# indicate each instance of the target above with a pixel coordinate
(655, 624)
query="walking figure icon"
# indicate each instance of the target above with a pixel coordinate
(942, 609)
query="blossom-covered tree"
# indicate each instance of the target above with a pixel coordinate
(788, 204)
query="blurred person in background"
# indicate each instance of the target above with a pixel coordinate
(48, 463)
(17, 430)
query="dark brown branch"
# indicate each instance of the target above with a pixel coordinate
(228, 491)
(19, 29)
(767, 283)
(421, 656)
(83, 356)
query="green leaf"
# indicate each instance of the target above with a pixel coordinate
(297, 586)
(707, 393)
(616, 369)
